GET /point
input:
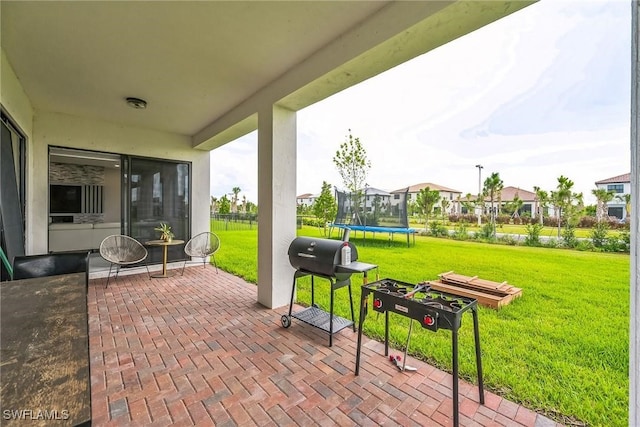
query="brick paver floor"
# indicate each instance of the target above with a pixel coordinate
(199, 350)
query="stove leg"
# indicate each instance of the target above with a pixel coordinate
(386, 333)
(313, 300)
(353, 316)
(406, 348)
(476, 334)
(454, 344)
(363, 313)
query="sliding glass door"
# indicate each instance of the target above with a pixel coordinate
(157, 191)
(12, 185)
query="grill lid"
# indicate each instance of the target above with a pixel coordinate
(320, 256)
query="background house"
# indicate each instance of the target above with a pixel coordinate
(306, 199)
(621, 186)
(445, 193)
(529, 201)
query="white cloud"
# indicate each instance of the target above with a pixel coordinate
(539, 94)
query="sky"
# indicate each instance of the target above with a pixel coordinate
(541, 93)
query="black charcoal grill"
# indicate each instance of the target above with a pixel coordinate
(322, 258)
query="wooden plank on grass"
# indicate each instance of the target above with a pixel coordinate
(487, 292)
(487, 300)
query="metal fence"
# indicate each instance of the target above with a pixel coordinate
(237, 221)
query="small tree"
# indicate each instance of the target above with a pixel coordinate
(542, 198)
(444, 205)
(568, 206)
(214, 204)
(493, 186)
(468, 204)
(224, 205)
(425, 202)
(602, 198)
(626, 198)
(234, 200)
(325, 207)
(353, 167)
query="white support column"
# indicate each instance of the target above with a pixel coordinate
(634, 338)
(276, 204)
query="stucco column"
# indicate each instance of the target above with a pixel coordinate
(276, 203)
(634, 338)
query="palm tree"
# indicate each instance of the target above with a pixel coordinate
(444, 204)
(515, 206)
(543, 198)
(563, 199)
(603, 197)
(234, 201)
(493, 186)
(214, 204)
(626, 198)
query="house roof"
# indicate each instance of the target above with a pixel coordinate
(509, 193)
(304, 196)
(624, 178)
(376, 191)
(417, 187)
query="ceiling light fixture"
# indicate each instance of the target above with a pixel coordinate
(137, 103)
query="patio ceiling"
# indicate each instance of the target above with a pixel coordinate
(206, 67)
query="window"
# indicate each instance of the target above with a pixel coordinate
(615, 211)
(616, 188)
(397, 196)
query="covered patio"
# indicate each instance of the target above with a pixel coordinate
(198, 350)
(205, 348)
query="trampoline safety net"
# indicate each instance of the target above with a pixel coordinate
(372, 208)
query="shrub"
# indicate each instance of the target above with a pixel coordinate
(460, 231)
(503, 219)
(587, 222)
(569, 237)
(508, 240)
(584, 245)
(533, 234)
(486, 232)
(436, 229)
(599, 234)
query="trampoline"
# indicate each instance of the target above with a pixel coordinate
(374, 211)
(373, 229)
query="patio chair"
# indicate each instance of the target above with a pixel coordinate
(30, 266)
(201, 246)
(121, 250)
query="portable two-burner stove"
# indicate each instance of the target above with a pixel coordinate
(433, 309)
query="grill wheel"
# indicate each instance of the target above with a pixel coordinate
(286, 321)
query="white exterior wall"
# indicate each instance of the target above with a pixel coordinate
(42, 129)
(276, 201)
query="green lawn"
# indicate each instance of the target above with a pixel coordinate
(561, 349)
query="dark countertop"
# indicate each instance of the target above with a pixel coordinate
(44, 351)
